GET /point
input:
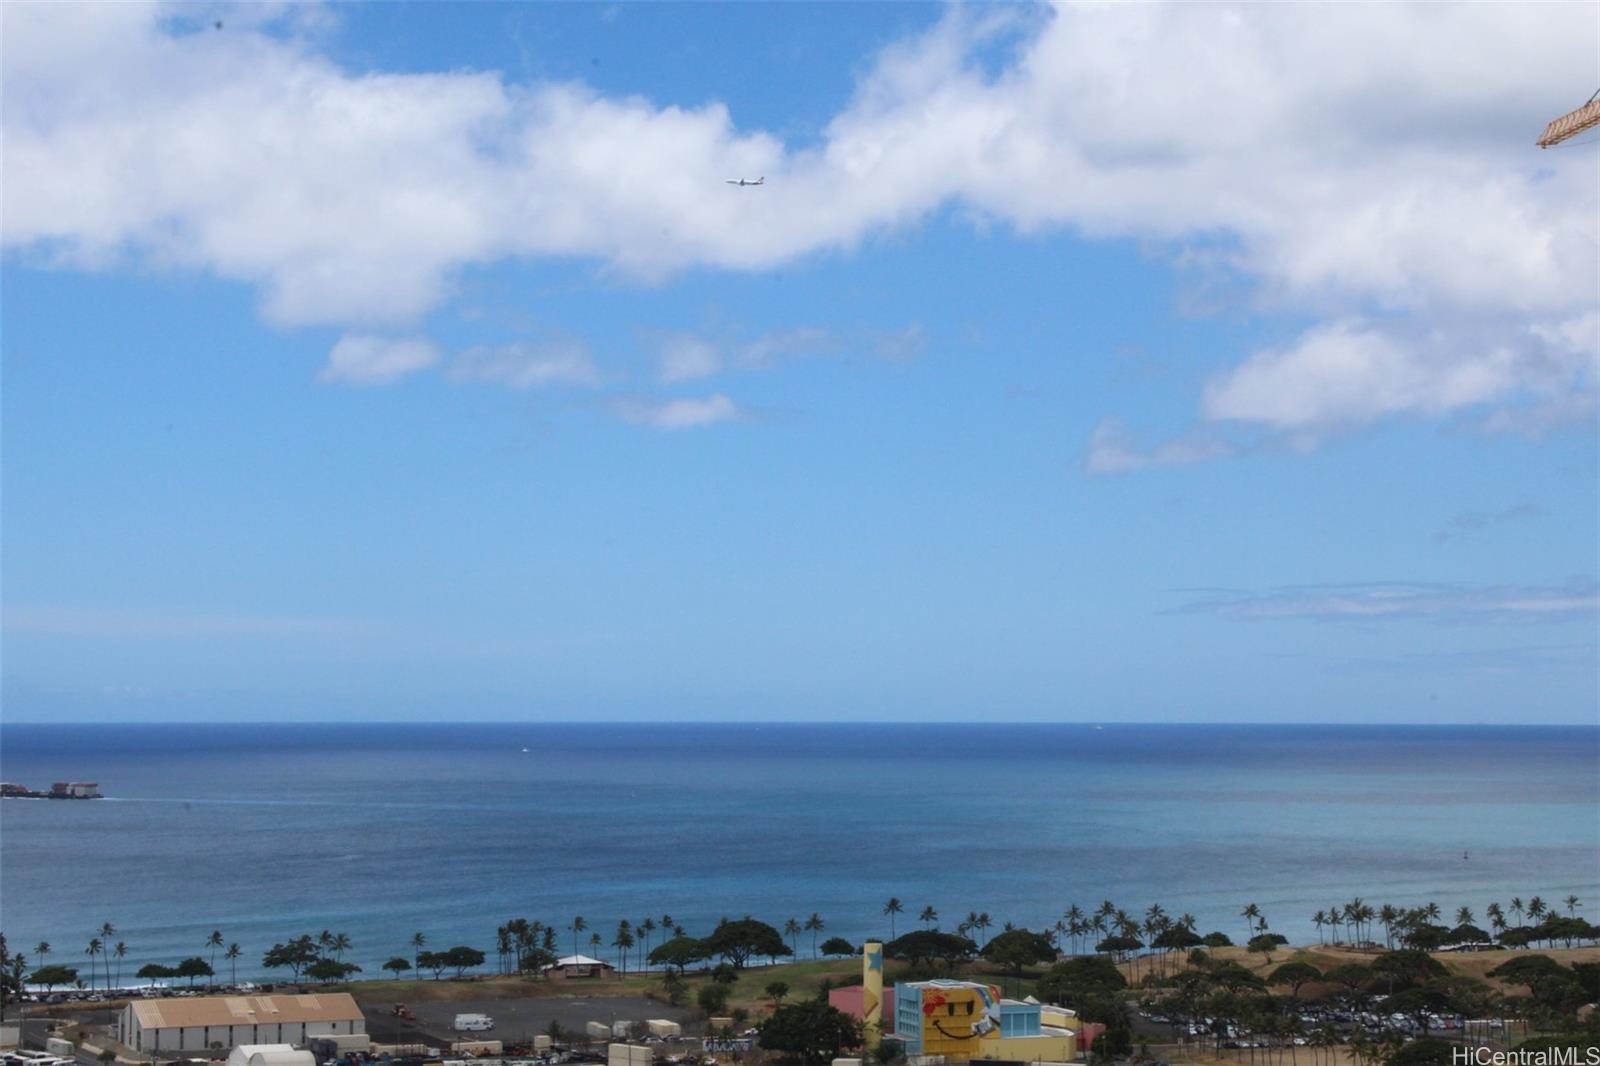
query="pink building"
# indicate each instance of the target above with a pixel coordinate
(848, 1000)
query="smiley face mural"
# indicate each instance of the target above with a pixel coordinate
(956, 1015)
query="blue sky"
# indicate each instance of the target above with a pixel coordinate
(412, 361)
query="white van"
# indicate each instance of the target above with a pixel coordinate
(473, 1023)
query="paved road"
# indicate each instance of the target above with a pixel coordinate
(516, 1020)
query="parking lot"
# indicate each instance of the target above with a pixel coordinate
(516, 1021)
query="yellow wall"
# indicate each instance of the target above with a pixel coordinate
(1030, 1048)
(953, 1019)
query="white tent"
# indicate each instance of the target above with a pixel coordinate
(579, 960)
(270, 1055)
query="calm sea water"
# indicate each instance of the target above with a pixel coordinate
(378, 831)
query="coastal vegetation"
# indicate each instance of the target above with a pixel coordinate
(1147, 943)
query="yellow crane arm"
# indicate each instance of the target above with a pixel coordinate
(1572, 123)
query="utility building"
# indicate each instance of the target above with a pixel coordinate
(226, 1022)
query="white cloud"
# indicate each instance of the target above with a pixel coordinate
(685, 357)
(1113, 451)
(683, 412)
(363, 359)
(796, 343)
(1467, 523)
(155, 624)
(1401, 189)
(525, 365)
(1383, 601)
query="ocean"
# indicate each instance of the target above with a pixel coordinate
(266, 832)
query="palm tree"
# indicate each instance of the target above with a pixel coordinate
(1497, 918)
(624, 941)
(579, 925)
(1356, 910)
(214, 941)
(928, 916)
(983, 923)
(1516, 908)
(646, 927)
(1334, 921)
(667, 925)
(791, 929)
(814, 926)
(95, 948)
(232, 955)
(418, 941)
(1464, 916)
(1388, 915)
(1074, 916)
(119, 951)
(595, 941)
(1536, 908)
(1250, 913)
(892, 908)
(340, 945)
(502, 944)
(1319, 920)
(1573, 903)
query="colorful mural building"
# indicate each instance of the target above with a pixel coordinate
(966, 1020)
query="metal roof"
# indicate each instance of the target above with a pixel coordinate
(244, 1010)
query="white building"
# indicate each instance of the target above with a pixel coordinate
(270, 1055)
(230, 1021)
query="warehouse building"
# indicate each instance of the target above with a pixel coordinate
(226, 1022)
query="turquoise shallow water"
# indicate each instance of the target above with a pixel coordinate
(382, 830)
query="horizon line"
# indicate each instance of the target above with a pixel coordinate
(1099, 723)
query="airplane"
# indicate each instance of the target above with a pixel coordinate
(746, 181)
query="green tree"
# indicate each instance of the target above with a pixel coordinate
(712, 998)
(776, 991)
(738, 941)
(1406, 966)
(680, 951)
(1295, 974)
(811, 1032)
(296, 954)
(155, 971)
(1077, 979)
(50, 976)
(434, 961)
(838, 945)
(674, 986)
(192, 968)
(1266, 944)
(398, 966)
(462, 958)
(326, 970)
(929, 917)
(1017, 948)
(926, 945)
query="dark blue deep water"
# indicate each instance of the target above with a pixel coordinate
(268, 831)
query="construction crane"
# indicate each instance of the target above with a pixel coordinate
(1572, 123)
